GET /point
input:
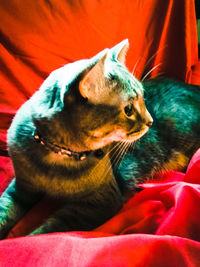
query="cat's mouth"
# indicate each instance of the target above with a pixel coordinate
(135, 135)
(134, 132)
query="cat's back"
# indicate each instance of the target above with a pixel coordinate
(175, 108)
(168, 98)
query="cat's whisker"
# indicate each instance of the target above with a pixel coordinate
(118, 157)
(149, 72)
(134, 68)
(154, 55)
(133, 144)
(114, 155)
(93, 172)
(115, 147)
(149, 60)
(130, 145)
(117, 152)
(125, 148)
(107, 169)
(160, 73)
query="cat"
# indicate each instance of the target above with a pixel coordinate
(76, 140)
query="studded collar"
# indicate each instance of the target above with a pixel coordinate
(64, 151)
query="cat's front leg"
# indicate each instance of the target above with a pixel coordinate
(82, 215)
(52, 225)
(14, 203)
(87, 212)
(69, 220)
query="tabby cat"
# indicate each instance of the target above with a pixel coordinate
(68, 141)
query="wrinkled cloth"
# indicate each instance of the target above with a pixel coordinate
(159, 226)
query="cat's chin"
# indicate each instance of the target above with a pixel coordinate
(135, 136)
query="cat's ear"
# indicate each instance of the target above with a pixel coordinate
(119, 51)
(89, 85)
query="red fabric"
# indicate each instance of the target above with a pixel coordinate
(160, 225)
(195, 74)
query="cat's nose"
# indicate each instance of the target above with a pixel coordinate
(149, 123)
(148, 119)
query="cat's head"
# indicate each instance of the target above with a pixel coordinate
(88, 104)
(107, 104)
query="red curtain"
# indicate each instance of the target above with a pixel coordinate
(158, 227)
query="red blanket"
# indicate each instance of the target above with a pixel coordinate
(160, 225)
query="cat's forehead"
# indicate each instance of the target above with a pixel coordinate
(125, 82)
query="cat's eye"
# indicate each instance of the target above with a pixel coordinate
(129, 109)
(111, 77)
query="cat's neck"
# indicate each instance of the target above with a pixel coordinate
(66, 152)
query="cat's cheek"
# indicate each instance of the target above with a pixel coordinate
(93, 145)
(98, 142)
(117, 135)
